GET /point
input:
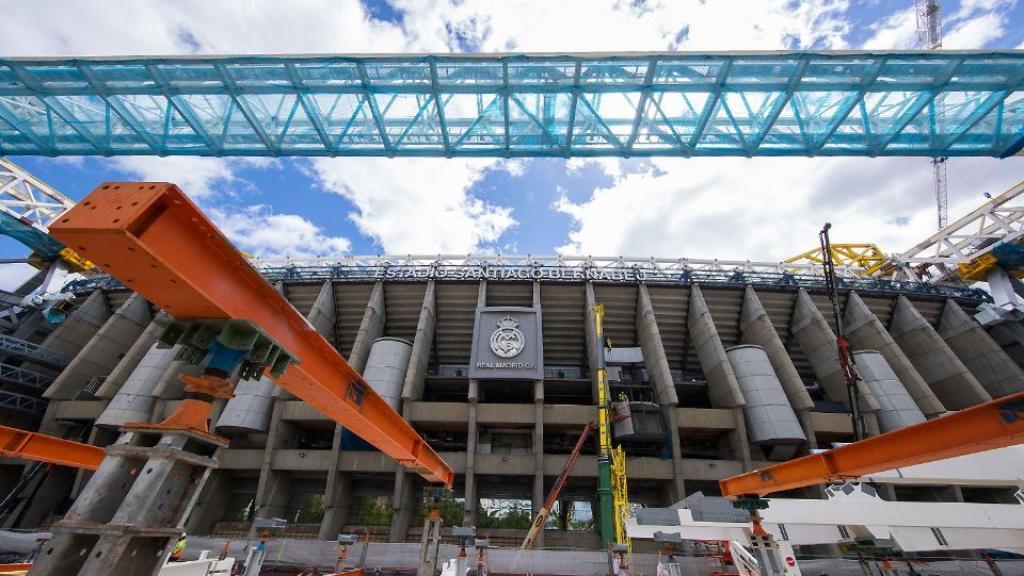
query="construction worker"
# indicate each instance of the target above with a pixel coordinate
(179, 549)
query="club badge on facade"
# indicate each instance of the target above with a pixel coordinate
(507, 341)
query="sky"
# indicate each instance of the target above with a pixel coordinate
(764, 209)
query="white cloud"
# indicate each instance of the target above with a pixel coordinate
(261, 232)
(769, 210)
(896, 31)
(200, 178)
(12, 276)
(975, 32)
(417, 205)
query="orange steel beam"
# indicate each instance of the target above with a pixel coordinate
(42, 448)
(995, 424)
(153, 239)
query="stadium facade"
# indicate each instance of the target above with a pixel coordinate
(716, 368)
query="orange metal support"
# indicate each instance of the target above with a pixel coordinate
(42, 448)
(153, 239)
(983, 427)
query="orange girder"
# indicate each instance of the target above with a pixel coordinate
(153, 239)
(995, 424)
(42, 448)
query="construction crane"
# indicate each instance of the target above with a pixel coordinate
(929, 37)
(846, 364)
(227, 318)
(542, 515)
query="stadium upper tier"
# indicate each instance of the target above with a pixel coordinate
(952, 103)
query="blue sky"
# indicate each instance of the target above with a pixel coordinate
(762, 209)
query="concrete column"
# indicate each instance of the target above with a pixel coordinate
(104, 350)
(739, 440)
(723, 389)
(321, 316)
(538, 453)
(472, 432)
(338, 493)
(371, 328)
(865, 332)
(422, 345)
(71, 335)
(404, 504)
(209, 508)
(590, 331)
(757, 328)
(131, 359)
(272, 491)
(678, 485)
(818, 342)
(941, 368)
(986, 360)
(136, 399)
(655, 359)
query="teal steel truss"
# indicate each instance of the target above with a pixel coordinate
(623, 104)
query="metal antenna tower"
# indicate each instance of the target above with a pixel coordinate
(929, 37)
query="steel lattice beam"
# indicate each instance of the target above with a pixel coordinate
(913, 103)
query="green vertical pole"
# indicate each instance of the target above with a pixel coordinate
(605, 516)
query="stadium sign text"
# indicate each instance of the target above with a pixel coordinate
(511, 273)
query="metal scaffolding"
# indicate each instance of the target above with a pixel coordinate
(911, 103)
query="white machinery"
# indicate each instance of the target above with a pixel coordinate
(28, 206)
(854, 513)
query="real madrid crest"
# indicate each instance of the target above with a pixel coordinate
(507, 341)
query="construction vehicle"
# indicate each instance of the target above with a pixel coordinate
(542, 515)
(227, 318)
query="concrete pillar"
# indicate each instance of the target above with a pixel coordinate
(104, 350)
(756, 328)
(338, 493)
(371, 328)
(71, 335)
(739, 440)
(678, 485)
(136, 399)
(818, 342)
(404, 504)
(941, 368)
(131, 359)
(865, 332)
(723, 390)
(655, 359)
(538, 453)
(272, 490)
(422, 345)
(986, 360)
(590, 331)
(472, 435)
(209, 508)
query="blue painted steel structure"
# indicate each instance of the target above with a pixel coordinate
(622, 104)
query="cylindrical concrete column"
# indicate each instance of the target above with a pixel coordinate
(250, 410)
(386, 367)
(655, 359)
(538, 454)
(770, 418)
(896, 407)
(135, 401)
